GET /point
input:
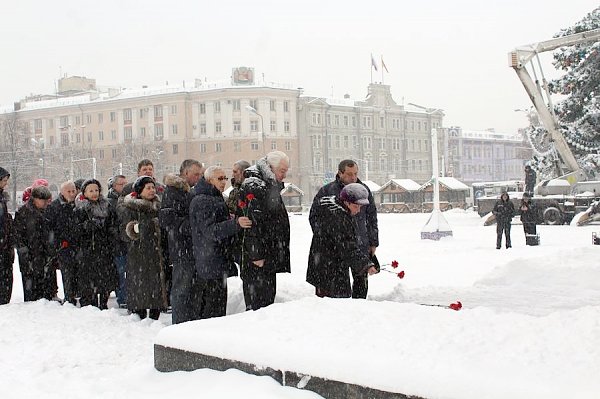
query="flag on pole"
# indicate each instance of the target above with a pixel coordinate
(373, 63)
(383, 65)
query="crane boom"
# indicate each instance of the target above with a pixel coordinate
(518, 60)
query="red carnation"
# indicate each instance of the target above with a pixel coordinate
(456, 306)
(241, 204)
(64, 244)
(134, 194)
(395, 264)
(249, 197)
(401, 274)
(81, 197)
(160, 189)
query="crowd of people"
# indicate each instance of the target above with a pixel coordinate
(174, 244)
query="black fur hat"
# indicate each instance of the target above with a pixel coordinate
(140, 183)
(88, 182)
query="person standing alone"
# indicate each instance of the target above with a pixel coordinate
(504, 210)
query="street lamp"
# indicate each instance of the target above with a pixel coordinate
(40, 143)
(261, 137)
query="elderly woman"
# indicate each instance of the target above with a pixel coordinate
(139, 227)
(96, 232)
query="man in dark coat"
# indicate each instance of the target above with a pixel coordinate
(504, 210)
(175, 220)
(61, 221)
(334, 249)
(236, 183)
(116, 185)
(528, 215)
(530, 177)
(366, 219)
(7, 252)
(267, 243)
(212, 233)
(32, 235)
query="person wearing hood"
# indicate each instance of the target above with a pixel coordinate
(32, 234)
(60, 215)
(266, 249)
(366, 220)
(175, 221)
(7, 252)
(96, 231)
(213, 231)
(115, 194)
(504, 210)
(334, 250)
(146, 290)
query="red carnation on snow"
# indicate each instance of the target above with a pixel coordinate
(394, 264)
(401, 274)
(455, 306)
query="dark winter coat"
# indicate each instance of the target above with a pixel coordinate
(175, 221)
(96, 230)
(6, 235)
(504, 210)
(113, 198)
(32, 236)
(529, 215)
(234, 197)
(530, 178)
(366, 219)
(334, 249)
(61, 217)
(213, 231)
(145, 275)
(269, 236)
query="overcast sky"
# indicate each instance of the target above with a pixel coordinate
(443, 54)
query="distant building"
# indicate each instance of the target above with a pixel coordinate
(475, 156)
(386, 139)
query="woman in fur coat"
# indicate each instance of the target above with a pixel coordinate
(96, 233)
(139, 226)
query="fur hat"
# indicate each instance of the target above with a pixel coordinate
(41, 192)
(88, 182)
(3, 173)
(355, 193)
(79, 183)
(140, 183)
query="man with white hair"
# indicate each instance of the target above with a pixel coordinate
(266, 249)
(60, 219)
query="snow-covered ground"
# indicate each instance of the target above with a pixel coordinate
(530, 325)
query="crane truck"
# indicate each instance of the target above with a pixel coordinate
(570, 192)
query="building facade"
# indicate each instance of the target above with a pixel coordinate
(480, 156)
(386, 139)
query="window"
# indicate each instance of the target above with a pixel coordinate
(158, 112)
(316, 120)
(254, 104)
(100, 135)
(316, 141)
(173, 109)
(127, 115)
(64, 121)
(203, 148)
(236, 105)
(158, 131)
(203, 128)
(77, 121)
(337, 141)
(381, 122)
(175, 149)
(101, 154)
(113, 116)
(345, 141)
(237, 146)
(143, 112)
(128, 132)
(218, 147)
(64, 139)
(78, 137)
(273, 145)
(254, 126)
(51, 123)
(366, 122)
(346, 120)
(114, 153)
(382, 165)
(217, 127)
(100, 118)
(202, 108)
(419, 126)
(272, 105)
(173, 129)
(354, 142)
(288, 145)
(142, 131)
(286, 126)
(88, 119)
(354, 121)
(37, 124)
(328, 120)
(89, 137)
(273, 126)
(113, 134)
(217, 106)
(336, 120)
(254, 146)
(367, 142)
(286, 106)
(237, 126)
